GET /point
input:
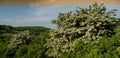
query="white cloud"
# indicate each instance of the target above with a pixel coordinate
(38, 15)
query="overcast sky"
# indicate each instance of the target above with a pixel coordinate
(39, 14)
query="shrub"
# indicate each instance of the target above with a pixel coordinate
(105, 47)
(87, 23)
(24, 37)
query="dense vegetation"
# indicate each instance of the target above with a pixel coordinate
(22, 42)
(89, 33)
(34, 29)
(87, 24)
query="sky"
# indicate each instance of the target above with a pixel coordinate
(41, 13)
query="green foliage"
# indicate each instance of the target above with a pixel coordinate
(24, 37)
(105, 47)
(3, 45)
(35, 49)
(36, 30)
(18, 43)
(21, 52)
(87, 24)
(6, 29)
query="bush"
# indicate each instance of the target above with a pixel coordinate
(37, 48)
(24, 37)
(105, 47)
(87, 24)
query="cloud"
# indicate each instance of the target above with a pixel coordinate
(38, 15)
(41, 14)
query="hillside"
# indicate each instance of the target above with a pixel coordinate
(9, 33)
(34, 29)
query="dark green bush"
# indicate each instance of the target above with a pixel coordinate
(23, 44)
